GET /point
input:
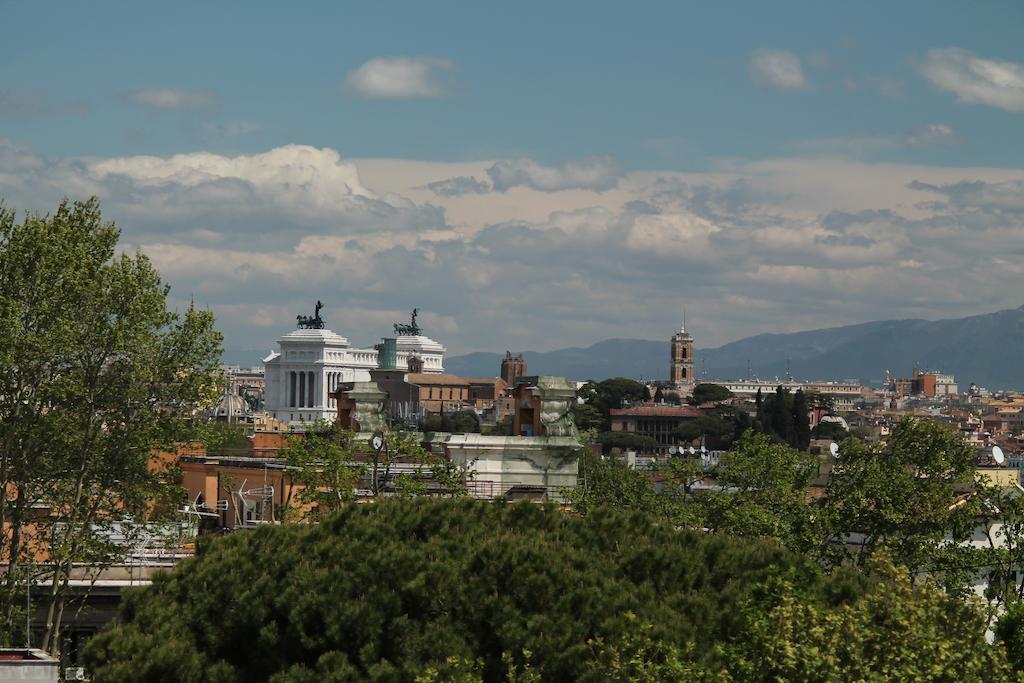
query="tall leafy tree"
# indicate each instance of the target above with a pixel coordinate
(323, 470)
(95, 373)
(908, 497)
(762, 487)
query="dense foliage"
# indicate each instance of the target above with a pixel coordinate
(906, 497)
(718, 428)
(705, 392)
(601, 397)
(785, 416)
(458, 422)
(422, 589)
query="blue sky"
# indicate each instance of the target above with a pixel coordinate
(550, 80)
(731, 134)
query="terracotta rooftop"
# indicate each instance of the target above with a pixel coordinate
(658, 411)
(424, 378)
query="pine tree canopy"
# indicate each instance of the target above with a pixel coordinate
(436, 590)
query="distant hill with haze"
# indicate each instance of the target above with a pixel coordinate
(986, 349)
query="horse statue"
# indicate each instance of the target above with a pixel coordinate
(411, 330)
(314, 322)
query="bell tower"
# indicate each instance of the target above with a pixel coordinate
(681, 368)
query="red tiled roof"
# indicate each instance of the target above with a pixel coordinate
(658, 411)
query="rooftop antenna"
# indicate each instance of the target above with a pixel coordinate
(703, 370)
(789, 375)
(748, 370)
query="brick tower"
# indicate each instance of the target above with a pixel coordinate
(512, 368)
(681, 368)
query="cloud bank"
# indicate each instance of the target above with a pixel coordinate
(774, 245)
(592, 173)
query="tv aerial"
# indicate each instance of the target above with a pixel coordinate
(833, 448)
(997, 455)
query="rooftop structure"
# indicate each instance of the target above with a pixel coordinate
(844, 395)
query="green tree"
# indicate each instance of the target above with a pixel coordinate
(587, 417)
(461, 422)
(781, 414)
(613, 393)
(324, 471)
(95, 373)
(709, 393)
(1001, 557)
(609, 483)
(391, 590)
(801, 435)
(830, 430)
(762, 492)
(897, 632)
(627, 441)
(904, 496)
(431, 590)
(1010, 632)
(719, 428)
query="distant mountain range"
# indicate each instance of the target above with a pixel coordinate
(985, 349)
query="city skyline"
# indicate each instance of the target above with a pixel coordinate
(538, 177)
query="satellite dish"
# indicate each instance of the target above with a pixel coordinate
(703, 450)
(672, 450)
(377, 441)
(834, 449)
(692, 450)
(997, 455)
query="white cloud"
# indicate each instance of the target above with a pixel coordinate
(975, 80)
(931, 134)
(779, 69)
(399, 77)
(175, 99)
(592, 173)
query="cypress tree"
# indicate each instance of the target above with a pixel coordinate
(801, 421)
(782, 415)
